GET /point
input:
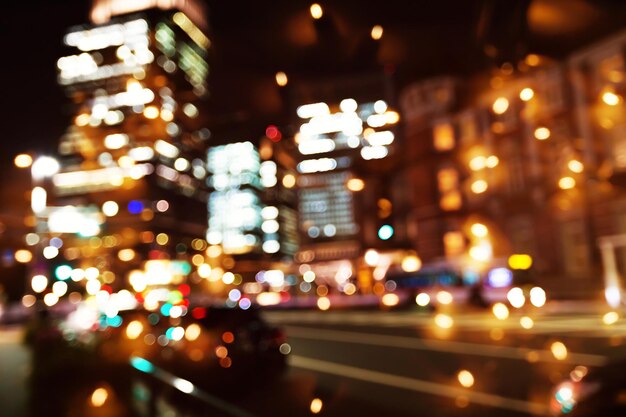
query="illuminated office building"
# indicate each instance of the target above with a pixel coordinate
(333, 142)
(127, 204)
(279, 177)
(251, 208)
(235, 203)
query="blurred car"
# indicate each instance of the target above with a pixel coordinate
(209, 346)
(592, 393)
(464, 281)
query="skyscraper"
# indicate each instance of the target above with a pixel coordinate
(127, 207)
(333, 142)
(253, 201)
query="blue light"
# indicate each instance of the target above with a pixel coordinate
(7, 257)
(385, 232)
(500, 277)
(63, 272)
(135, 206)
(245, 303)
(56, 242)
(165, 309)
(234, 294)
(470, 277)
(141, 364)
(114, 321)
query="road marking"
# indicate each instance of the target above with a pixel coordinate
(570, 326)
(417, 385)
(447, 346)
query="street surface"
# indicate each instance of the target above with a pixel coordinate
(375, 363)
(402, 364)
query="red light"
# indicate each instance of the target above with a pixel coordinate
(198, 313)
(184, 289)
(273, 133)
(107, 288)
(157, 254)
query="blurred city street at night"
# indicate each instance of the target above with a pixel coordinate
(292, 208)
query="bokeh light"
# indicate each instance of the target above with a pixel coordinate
(501, 311)
(466, 379)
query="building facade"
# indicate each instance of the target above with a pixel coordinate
(524, 160)
(125, 206)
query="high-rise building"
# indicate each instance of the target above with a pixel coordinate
(335, 144)
(252, 205)
(127, 207)
(235, 204)
(279, 177)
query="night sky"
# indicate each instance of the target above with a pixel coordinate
(253, 40)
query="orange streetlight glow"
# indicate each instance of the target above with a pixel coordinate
(316, 11)
(611, 98)
(542, 133)
(377, 32)
(479, 186)
(281, 79)
(23, 160)
(567, 183)
(355, 184)
(526, 94)
(501, 105)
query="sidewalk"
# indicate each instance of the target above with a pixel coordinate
(14, 369)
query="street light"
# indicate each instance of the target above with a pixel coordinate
(281, 79)
(316, 11)
(23, 160)
(526, 94)
(371, 257)
(377, 32)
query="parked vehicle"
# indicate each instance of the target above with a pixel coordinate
(211, 346)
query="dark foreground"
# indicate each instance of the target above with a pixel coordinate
(341, 364)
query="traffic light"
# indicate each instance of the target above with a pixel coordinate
(385, 210)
